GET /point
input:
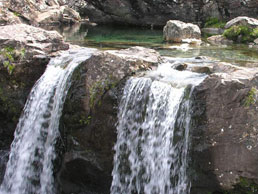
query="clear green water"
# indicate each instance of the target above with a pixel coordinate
(111, 37)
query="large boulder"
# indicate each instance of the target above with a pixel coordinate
(242, 21)
(35, 41)
(90, 116)
(224, 151)
(177, 31)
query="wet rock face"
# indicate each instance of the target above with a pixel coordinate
(90, 116)
(224, 136)
(158, 12)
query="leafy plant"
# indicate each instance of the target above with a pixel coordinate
(241, 33)
(16, 14)
(214, 23)
(10, 55)
(85, 121)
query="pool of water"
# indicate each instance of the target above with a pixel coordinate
(113, 37)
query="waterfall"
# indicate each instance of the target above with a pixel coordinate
(30, 166)
(153, 133)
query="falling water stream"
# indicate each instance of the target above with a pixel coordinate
(30, 166)
(153, 133)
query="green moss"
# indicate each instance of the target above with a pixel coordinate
(214, 23)
(245, 186)
(99, 88)
(251, 97)
(241, 33)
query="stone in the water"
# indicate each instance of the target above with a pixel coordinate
(243, 21)
(177, 31)
(219, 39)
(180, 66)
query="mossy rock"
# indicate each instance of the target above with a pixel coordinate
(241, 34)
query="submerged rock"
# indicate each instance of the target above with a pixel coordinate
(213, 31)
(177, 31)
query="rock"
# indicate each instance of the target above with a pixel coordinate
(41, 12)
(201, 69)
(3, 161)
(176, 31)
(36, 41)
(213, 31)
(90, 116)
(256, 41)
(8, 17)
(242, 20)
(219, 39)
(224, 134)
(158, 12)
(180, 66)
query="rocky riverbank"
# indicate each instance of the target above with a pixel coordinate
(223, 152)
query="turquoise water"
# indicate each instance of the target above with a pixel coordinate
(112, 37)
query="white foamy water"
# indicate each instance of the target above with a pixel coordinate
(153, 133)
(30, 166)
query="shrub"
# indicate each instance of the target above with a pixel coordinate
(214, 23)
(10, 55)
(241, 33)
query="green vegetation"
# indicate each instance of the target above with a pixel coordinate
(85, 121)
(214, 23)
(245, 186)
(16, 14)
(10, 56)
(99, 88)
(241, 33)
(251, 97)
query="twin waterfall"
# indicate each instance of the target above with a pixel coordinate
(153, 131)
(30, 166)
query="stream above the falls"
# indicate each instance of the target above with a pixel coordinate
(113, 37)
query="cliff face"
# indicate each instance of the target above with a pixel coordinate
(157, 12)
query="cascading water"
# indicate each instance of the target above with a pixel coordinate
(153, 130)
(30, 169)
